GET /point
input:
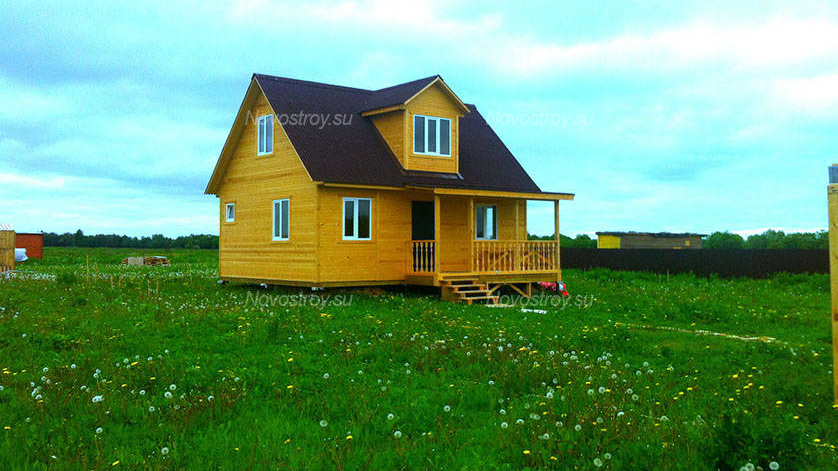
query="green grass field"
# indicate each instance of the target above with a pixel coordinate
(105, 365)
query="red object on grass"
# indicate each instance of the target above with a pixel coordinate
(32, 242)
(559, 287)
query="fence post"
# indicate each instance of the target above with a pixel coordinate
(832, 196)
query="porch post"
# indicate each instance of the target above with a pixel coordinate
(437, 241)
(471, 233)
(557, 236)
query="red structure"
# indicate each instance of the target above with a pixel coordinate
(32, 242)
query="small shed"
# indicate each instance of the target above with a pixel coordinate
(33, 242)
(648, 240)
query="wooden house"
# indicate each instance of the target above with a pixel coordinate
(648, 240)
(323, 186)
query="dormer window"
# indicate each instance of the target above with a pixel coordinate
(431, 135)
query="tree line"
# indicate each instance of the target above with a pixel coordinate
(769, 239)
(157, 241)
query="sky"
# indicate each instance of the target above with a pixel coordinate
(659, 116)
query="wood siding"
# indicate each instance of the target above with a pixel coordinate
(246, 248)
(393, 128)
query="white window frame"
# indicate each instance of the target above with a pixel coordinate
(263, 147)
(227, 208)
(274, 235)
(425, 118)
(355, 218)
(487, 223)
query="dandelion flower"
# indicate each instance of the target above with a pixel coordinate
(397, 434)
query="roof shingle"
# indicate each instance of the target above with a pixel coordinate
(339, 145)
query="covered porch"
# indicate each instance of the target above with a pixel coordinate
(479, 239)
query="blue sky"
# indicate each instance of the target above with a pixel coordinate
(660, 116)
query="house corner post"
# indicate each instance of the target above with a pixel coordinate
(832, 196)
(558, 238)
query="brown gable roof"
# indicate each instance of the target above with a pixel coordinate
(397, 94)
(347, 148)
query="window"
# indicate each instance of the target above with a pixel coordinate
(281, 218)
(265, 135)
(431, 136)
(231, 212)
(485, 222)
(357, 218)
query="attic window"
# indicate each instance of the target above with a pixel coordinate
(231, 212)
(431, 135)
(265, 135)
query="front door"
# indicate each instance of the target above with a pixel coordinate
(423, 220)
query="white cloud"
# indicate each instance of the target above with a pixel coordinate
(817, 94)
(24, 182)
(775, 43)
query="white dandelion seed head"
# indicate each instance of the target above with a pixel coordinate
(98, 430)
(607, 456)
(577, 427)
(172, 387)
(597, 462)
(325, 375)
(397, 434)
(97, 399)
(447, 408)
(519, 422)
(323, 423)
(151, 408)
(774, 465)
(142, 392)
(390, 416)
(502, 411)
(164, 451)
(504, 425)
(167, 395)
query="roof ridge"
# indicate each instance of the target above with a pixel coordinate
(430, 77)
(312, 83)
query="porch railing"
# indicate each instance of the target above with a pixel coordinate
(514, 256)
(423, 256)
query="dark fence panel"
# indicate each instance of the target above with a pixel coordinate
(723, 262)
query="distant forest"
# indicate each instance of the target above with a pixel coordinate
(769, 239)
(157, 241)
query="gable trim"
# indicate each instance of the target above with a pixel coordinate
(447, 91)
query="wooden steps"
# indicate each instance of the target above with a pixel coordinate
(468, 290)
